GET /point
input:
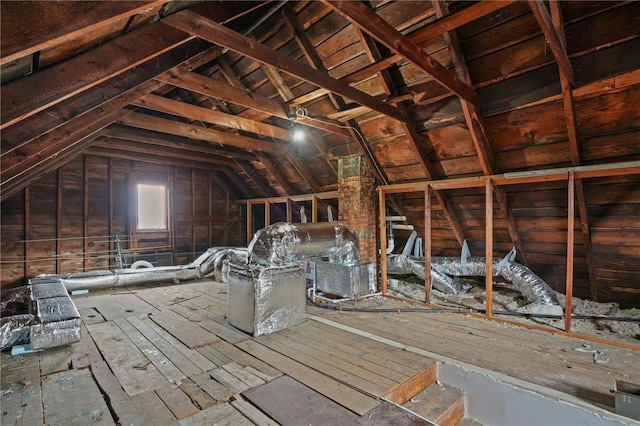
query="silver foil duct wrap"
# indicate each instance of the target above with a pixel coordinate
(345, 280)
(15, 330)
(287, 243)
(238, 255)
(534, 288)
(263, 300)
(199, 268)
(58, 321)
(398, 264)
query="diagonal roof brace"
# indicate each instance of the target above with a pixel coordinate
(208, 30)
(370, 22)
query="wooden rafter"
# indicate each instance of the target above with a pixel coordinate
(206, 29)
(266, 189)
(414, 138)
(57, 155)
(284, 148)
(572, 132)
(141, 148)
(34, 93)
(216, 89)
(278, 82)
(279, 177)
(314, 59)
(421, 37)
(366, 19)
(478, 132)
(212, 136)
(194, 112)
(94, 16)
(171, 141)
(553, 39)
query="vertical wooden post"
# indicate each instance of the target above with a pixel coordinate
(226, 208)
(289, 210)
(27, 231)
(85, 232)
(427, 244)
(570, 248)
(383, 239)
(267, 213)
(489, 247)
(314, 209)
(59, 223)
(110, 201)
(249, 222)
(193, 213)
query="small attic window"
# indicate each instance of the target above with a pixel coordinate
(152, 207)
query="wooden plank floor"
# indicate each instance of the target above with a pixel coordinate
(533, 356)
(164, 355)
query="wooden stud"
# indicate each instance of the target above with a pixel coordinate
(427, 245)
(27, 230)
(110, 202)
(382, 206)
(489, 247)
(570, 250)
(59, 222)
(249, 221)
(85, 215)
(193, 211)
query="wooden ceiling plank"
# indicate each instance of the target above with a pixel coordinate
(34, 93)
(541, 14)
(38, 124)
(234, 178)
(198, 113)
(218, 34)
(177, 142)
(478, 133)
(59, 22)
(145, 121)
(574, 150)
(369, 21)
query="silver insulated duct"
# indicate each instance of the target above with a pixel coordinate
(288, 243)
(443, 269)
(199, 268)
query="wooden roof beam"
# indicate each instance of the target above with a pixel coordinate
(478, 133)
(277, 175)
(18, 38)
(574, 150)
(165, 151)
(206, 29)
(176, 142)
(414, 138)
(553, 39)
(421, 37)
(193, 112)
(217, 89)
(369, 21)
(214, 137)
(264, 187)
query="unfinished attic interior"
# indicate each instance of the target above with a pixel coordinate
(320, 212)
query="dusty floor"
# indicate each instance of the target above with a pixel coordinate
(508, 299)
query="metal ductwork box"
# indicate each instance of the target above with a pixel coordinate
(345, 280)
(263, 300)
